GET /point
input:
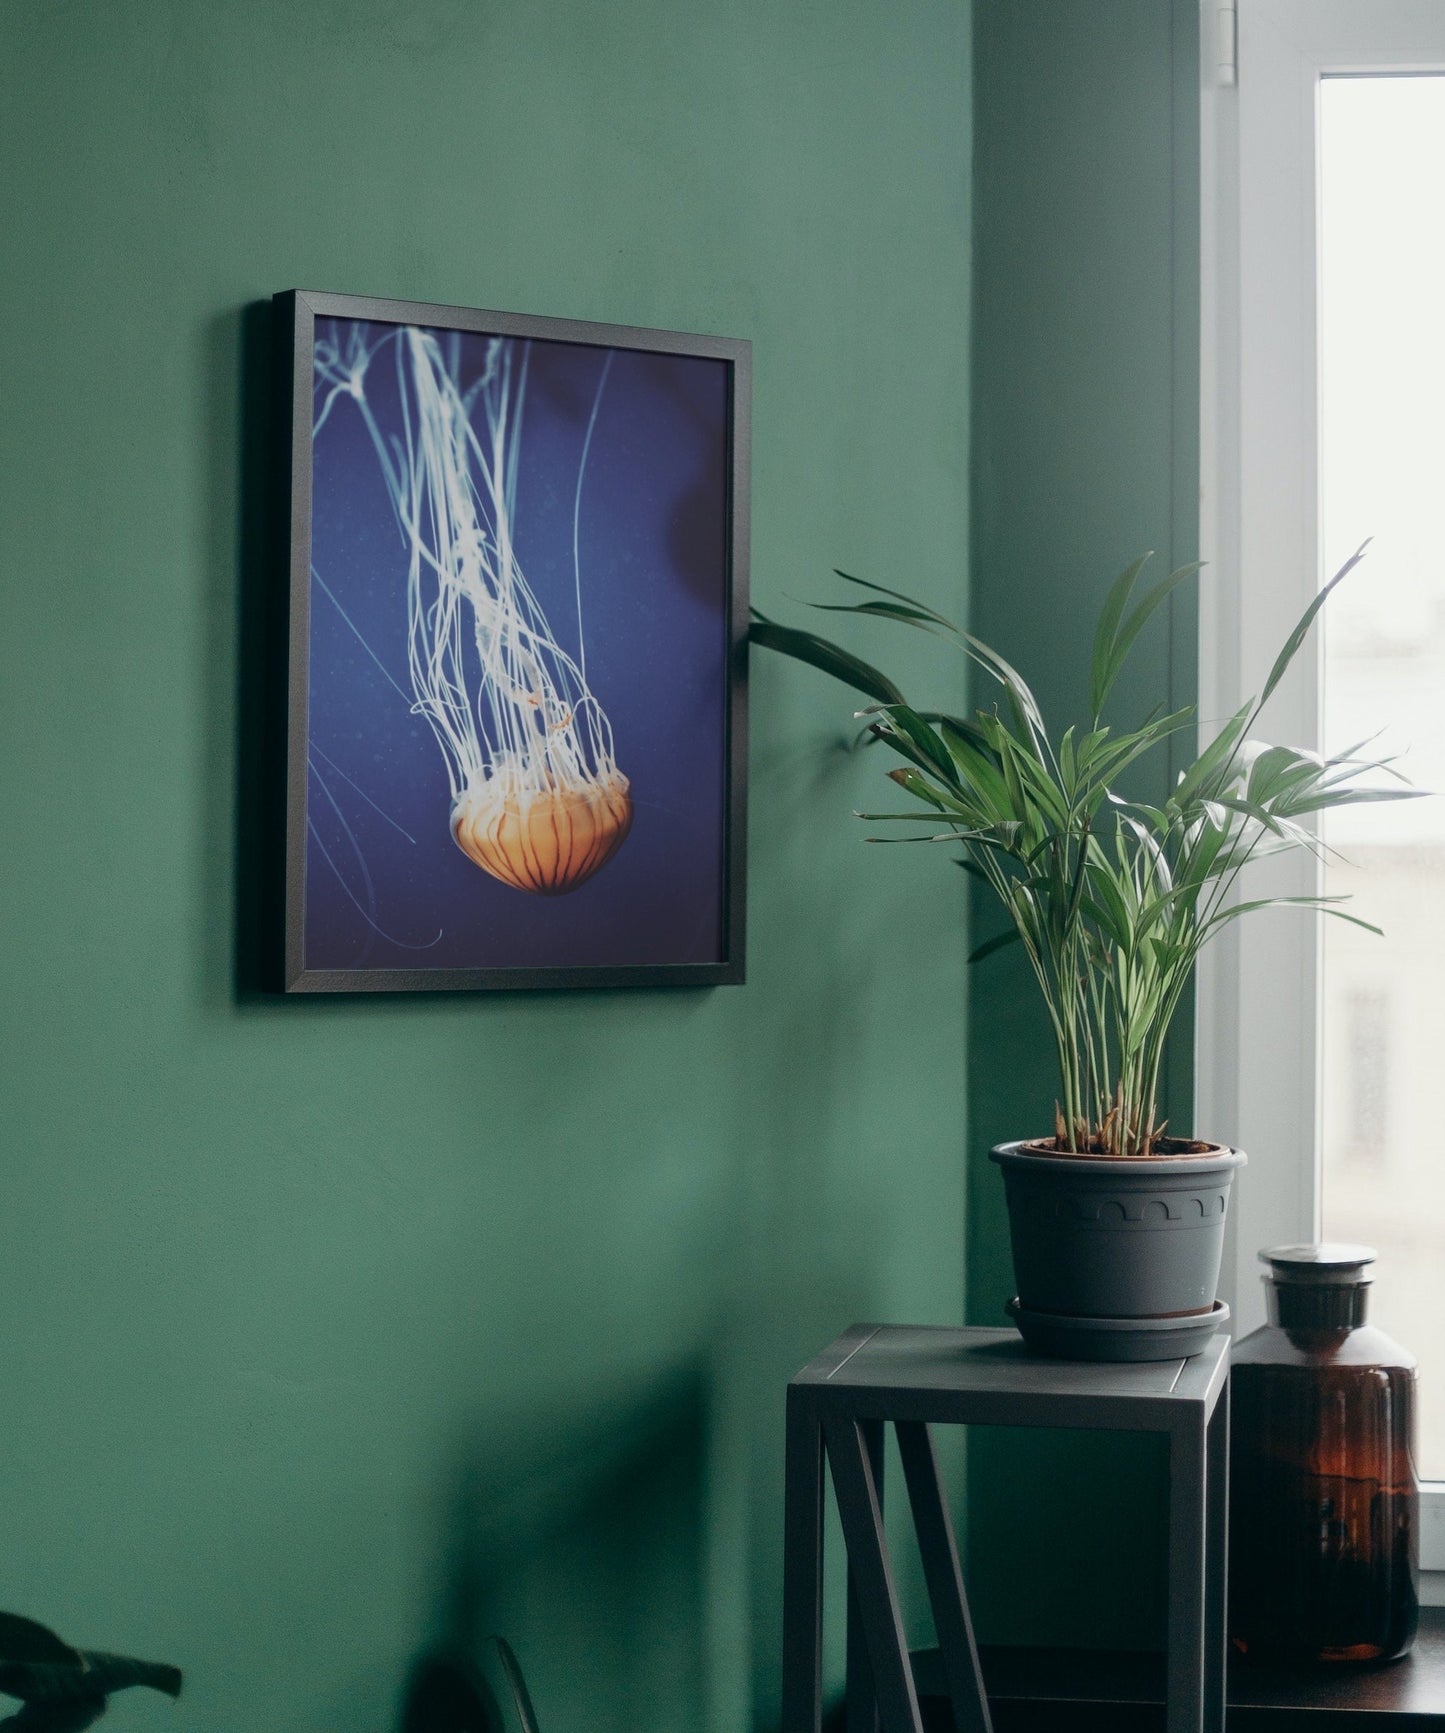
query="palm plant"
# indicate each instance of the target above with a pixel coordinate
(1112, 898)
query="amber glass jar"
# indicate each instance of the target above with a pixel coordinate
(1324, 1499)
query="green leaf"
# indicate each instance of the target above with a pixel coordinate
(1306, 620)
(1201, 852)
(898, 596)
(885, 611)
(996, 839)
(831, 658)
(1249, 809)
(1102, 919)
(976, 769)
(1067, 770)
(1107, 630)
(1329, 798)
(914, 817)
(1353, 920)
(1033, 798)
(951, 796)
(1133, 625)
(1026, 705)
(959, 724)
(1041, 789)
(1124, 750)
(1215, 759)
(1111, 915)
(919, 785)
(914, 729)
(1279, 771)
(1322, 904)
(1113, 912)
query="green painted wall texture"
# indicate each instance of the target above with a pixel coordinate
(330, 1327)
(1084, 453)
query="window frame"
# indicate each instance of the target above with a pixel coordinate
(1257, 1049)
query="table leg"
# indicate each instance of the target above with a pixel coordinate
(879, 1616)
(939, 1551)
(1216, 1627)
(803, 1568)
(862, 1698)
(1185, 1690)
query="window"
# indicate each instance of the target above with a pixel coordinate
(1324, 422)
(1382, 472)
(1356, 1081)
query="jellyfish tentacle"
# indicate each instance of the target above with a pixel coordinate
(351, 782)
(577, 512)
(330, 594)
(537, 798)
(366, 910)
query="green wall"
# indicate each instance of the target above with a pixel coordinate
(330, 1327)
(1085, 411)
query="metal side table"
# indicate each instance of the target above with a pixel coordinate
(917, 1376)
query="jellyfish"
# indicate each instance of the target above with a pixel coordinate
(537, 799)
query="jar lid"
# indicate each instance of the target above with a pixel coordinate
(1331, 1264)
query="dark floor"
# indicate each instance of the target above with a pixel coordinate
(1082, 1691)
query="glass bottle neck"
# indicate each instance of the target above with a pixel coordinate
(1316, 1306)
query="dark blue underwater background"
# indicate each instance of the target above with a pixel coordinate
(380, 853)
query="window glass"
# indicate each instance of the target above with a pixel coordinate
(1382, 277)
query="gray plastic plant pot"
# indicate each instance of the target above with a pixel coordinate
(1110, 1238)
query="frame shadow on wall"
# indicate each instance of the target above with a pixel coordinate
(258, 816)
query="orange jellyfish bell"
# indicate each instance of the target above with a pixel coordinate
(547, 840)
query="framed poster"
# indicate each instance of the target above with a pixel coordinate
(518, 567)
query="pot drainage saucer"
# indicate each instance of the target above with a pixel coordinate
(1063, 1337)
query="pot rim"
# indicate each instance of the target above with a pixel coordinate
(1018, 1156)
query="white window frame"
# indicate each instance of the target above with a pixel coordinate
(1257, 1044)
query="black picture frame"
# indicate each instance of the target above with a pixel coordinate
(297, 314)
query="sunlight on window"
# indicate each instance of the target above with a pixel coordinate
(1382, 273)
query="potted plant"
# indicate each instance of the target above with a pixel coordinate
(1117, 1228)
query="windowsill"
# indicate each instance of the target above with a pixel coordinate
(1050, 1682)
